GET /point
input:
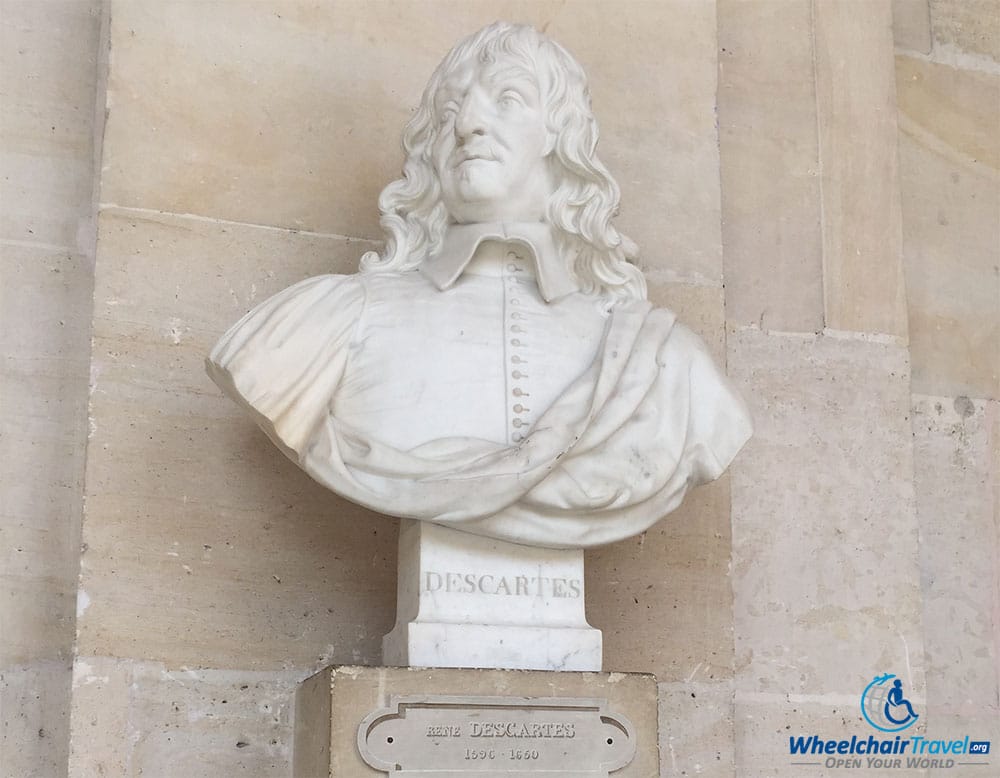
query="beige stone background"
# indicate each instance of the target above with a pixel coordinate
(816, 187)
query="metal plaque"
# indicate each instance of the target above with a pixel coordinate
(439, 736)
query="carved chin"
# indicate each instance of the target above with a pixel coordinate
(478, 173)
(476, 183)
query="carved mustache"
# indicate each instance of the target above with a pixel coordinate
(465, 154)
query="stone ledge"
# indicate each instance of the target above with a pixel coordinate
(331, 705)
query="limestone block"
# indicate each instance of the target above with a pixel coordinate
(950, 189)
(191, 558)
(825, 556)
(133, 717)
(48, 83)
(970, 25)
(911, 25)
(953, 288)
(331, 705)
(27, 593)
(48, 80)
(45, 309)
(771, 217)
(954, 111)
(100, 726)
(956, 461)
(299, 108)
(855, 90)
(981, 724)
(696, 729)
(701, 308)
(662, 148)
(34, 718)
(44, 338)
(663, 599)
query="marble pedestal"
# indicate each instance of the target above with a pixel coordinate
(346, 715)
(470, 601)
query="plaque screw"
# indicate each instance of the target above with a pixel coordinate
(611, 741)
(389, 740)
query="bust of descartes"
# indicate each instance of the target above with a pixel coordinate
(497, 367)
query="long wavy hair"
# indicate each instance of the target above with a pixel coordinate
(415, 219)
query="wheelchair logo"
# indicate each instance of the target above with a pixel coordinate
(885, 707)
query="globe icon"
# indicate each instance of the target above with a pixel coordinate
(883, 704)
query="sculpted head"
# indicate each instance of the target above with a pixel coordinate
(505, 132)
(492, 141)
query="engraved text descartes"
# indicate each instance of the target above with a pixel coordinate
(511, 585)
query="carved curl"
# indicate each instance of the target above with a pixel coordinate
(586, 198)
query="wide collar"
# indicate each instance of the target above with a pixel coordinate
(460, 242)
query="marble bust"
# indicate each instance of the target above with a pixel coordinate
(496, 368)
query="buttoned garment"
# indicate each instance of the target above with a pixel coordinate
(483, 358)
(479, 394)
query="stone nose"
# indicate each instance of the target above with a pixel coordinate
(472, 118)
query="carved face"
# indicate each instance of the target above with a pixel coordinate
(491, 144)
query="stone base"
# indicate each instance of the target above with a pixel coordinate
(331, 706)
(469, 601)
(419, 644)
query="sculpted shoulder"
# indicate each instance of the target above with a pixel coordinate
(395, 284)
(283, 359)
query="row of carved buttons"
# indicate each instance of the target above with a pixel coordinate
(512, 284)
(519, 408)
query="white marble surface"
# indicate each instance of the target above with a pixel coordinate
(470, 601)
(497, 368)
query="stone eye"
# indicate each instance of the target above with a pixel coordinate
(509, 98)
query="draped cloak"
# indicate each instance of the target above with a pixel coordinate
(649, 417)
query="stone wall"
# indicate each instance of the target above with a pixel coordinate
(948, 88)
(207, 552)
(821, 207)
(825, 547)
(48, 87)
